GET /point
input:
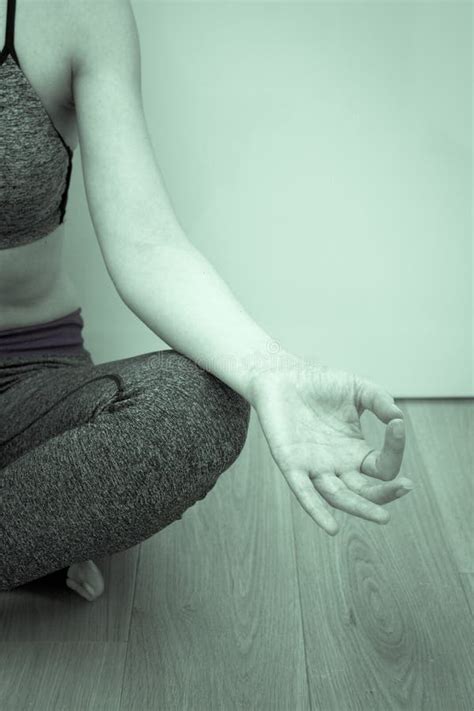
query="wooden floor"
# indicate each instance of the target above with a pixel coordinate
(246, 604)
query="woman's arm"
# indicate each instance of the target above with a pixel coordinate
(309, 413)
(158, 273)
(175, 290)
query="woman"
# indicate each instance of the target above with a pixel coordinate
(96, 458)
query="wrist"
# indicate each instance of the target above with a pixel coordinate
(268, 369)
(251, 374)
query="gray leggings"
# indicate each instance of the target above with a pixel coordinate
(95, 459)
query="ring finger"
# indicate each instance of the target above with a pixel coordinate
(338, 495)
(377, 493)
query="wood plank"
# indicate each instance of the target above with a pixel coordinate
(216, 622)
(385, 618)
(467, 582)
(444, 432)
(61, 676)
(46, 609)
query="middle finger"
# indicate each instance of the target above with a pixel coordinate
(339, 496)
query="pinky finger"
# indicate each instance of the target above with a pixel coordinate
(312, 502)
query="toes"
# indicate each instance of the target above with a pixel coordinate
(93, 578)
(81, 589)
(86, 579)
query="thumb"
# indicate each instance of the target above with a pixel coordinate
(373, 397)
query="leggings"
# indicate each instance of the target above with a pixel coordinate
(95, 459)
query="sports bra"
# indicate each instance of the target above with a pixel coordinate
(35, 161)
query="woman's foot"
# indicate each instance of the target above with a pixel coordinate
(86, 579)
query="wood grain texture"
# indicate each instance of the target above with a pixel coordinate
(467, 582)
(46, 609)
(246, 604)
(216, 622)
(444, 435)
(385, 618)
(61, 676)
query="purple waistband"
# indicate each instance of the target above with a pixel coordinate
(63, 336)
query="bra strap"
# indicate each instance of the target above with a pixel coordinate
(10, 29)
(9, 47)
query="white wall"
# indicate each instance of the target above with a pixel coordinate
(320, 156)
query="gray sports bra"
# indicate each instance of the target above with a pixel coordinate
(35, 161)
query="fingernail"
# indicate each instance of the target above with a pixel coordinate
(89, 588)
(403, 491)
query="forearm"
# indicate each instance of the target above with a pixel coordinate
(178, 294)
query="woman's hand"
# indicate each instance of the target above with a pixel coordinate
(310, 417)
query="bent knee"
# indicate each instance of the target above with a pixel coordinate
(216, 416)
(236, 417)
(208, 417)
(222, 425)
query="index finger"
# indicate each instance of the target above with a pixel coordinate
(386, 464)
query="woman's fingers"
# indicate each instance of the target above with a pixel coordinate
(386, 464)
(339, 496)
(373, 397)
(377, 493)
(351, 492)
(302, 487)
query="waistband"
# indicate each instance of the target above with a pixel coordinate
(61, 336)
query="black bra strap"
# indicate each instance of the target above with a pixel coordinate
(10, 30)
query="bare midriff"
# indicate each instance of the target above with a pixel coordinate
(34, 284)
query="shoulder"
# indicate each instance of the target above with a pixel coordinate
(100, 33)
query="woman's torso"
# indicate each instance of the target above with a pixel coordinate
(34, 285)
